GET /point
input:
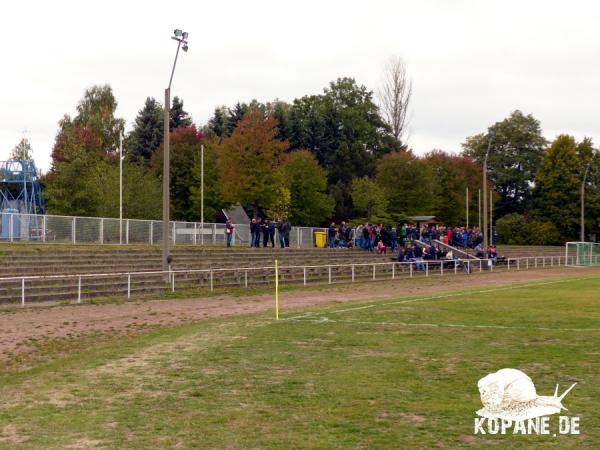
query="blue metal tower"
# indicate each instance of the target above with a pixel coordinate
(20, 199)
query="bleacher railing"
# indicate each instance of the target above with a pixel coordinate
(127, 284)
(103, 230)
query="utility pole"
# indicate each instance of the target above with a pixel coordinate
(485, 228)
(582, 232)
(467, 197)
(202, 194)
(479, 208)
(120, 189)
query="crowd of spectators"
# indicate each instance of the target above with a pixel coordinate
(262, 231)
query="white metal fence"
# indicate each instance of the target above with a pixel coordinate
(128, 283)
(102, 230)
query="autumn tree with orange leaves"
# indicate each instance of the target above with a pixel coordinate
(248, 162)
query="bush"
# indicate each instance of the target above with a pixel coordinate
(513, 229)
(544, 233)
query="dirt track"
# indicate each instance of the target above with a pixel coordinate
(21, 329)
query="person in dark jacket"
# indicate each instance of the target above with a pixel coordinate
(253, 231)
(393, 239)
(271, 233)
(264, 228)
(331, 232)
(286, 234)
(281, 232)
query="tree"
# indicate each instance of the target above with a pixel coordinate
(515, 155)
(147, 134)
(408, 184)
(213, 191)
(451, 175)
(368, 198)
(185, 154)
(22, 151)
(307, 184)
(557, 184)
(394, 95)
(179, 118)
(218, 124)
(248, 162)
(96, 111)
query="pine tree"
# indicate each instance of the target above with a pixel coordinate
(179, 117)
(22, 151)
(557, 183)
(147, 134)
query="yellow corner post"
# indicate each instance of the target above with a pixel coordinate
(276, 292)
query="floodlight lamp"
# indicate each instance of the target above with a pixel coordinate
(185, 47)
(177, 32)
(185, 35)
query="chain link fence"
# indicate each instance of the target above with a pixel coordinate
(101, 230)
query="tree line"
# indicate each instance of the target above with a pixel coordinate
(338, 155)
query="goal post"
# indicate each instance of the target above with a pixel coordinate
(578, 254)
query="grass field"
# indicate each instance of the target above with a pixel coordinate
(390, 374)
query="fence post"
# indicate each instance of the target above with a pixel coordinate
(102, 230)
(491, 265)
(246, 279)
(73, 230)
(129, 286)
(393, 271)
(79, 290)
(214, 233)
(304, 275)
(441, 268)
(172, 281)
(174, 237)
(426, 268)
(151, 234)
(535, 261)
(454, 266)
(23, 292)
(329, 267)
(353, 273)
(11, 219)
(508, 264)
(211, 281)
(410, 269)
(518, 264)
(44, 228)
(127, 231)
(527, 263)
(480, 264)
(543, 262)
(552, 261)
(298, 238)
(195, 231)
(373, 271)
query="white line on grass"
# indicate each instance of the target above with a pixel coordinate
(324, 319)
(444, 296)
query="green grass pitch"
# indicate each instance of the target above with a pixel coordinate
(388, 374)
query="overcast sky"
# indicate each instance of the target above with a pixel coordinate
(471, 62)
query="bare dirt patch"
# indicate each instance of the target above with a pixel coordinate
(21, 331)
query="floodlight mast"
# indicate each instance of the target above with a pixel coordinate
(181, 38)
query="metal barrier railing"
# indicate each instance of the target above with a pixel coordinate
(353, 271)
(104, 230)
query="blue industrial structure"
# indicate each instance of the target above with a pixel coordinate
(20, 199)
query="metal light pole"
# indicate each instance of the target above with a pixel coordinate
(181, 38)
(467, 198)
(202, 194)
(485, 230)
(479, 209)
(582, 233)
(120, 189)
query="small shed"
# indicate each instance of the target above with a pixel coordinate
(425, 221)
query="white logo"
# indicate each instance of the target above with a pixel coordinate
(509, 395)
